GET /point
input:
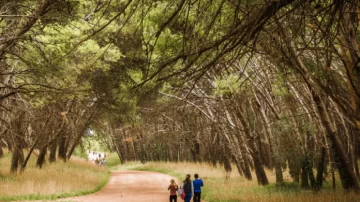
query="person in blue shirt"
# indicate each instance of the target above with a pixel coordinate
(198, 183)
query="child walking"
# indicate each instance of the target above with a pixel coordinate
(173, 188)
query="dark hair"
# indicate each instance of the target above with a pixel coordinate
(187, 179)
(196, 175)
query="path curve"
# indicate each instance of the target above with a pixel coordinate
(131, 186)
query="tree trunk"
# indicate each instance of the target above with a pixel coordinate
(273, 141)
(354, 134)
(356, 157)
(233, 147)
(320, 169)
(348, 177)
(41, 158)
(74, 144)
(196, 151)
(227, 165)
(310, 171)
(1, 152)
(304, 176)
(118, 148)
(144, 156)
(259, 168)
(241, 160)
(62, 148)
(309, 148)
(52, 155)
(10, 147)
(29, 154)
(294, 168)
(238, 149)
(171, 157)
(80, 134)
(265, 152)
(15, 160)
(307, 173)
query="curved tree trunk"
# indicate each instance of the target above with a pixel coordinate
(241, 162)
(255, 154)
(237, 145)
(29, 154)
(348, 177)
(273, 142)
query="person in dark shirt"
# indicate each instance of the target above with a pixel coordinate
(188, 188)
(198, 183)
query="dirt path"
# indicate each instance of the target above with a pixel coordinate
(131, 186)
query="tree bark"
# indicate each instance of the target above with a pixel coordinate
(304, 176)
(320, 169)
(62, 148)
(41, 158)
(273, 141)
(52, 155)
(29, 154)
(259, 168)
(15, 160)
(349, 179)
(241, 159)
(294, 168)
(296, 63)
(237, 146)
(80, 134)
(18, 143)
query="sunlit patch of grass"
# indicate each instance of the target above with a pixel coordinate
(231, 187)
(54, 180)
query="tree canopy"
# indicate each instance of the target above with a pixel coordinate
(252, 83)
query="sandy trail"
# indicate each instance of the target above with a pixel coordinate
(131, 186)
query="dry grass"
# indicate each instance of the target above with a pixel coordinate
(71, 178)
(231, 187)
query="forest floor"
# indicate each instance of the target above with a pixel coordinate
(134, 186)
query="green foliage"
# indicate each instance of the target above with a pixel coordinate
(112, 160)
(90, 53)
(279, 88)
(80, 152)
(231, 84)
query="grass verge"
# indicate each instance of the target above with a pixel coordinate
(56, 180)
(220, 186)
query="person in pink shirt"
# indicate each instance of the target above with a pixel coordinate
(173, 188)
